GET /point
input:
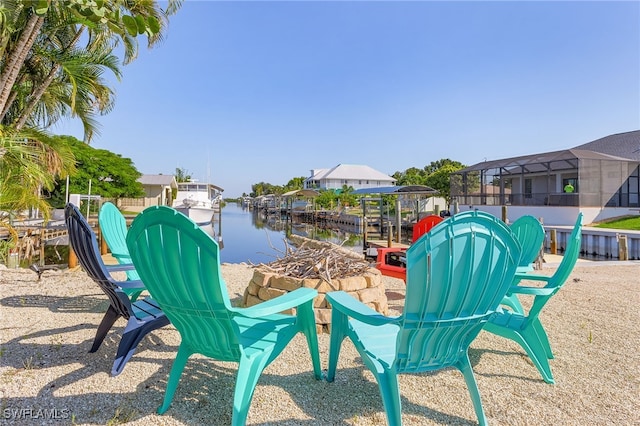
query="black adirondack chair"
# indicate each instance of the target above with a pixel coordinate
(143, 316)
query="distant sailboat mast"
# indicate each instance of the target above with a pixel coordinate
(208, 168)
(219, 234)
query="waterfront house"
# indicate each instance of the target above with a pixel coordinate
(603, 175)
(158, 191)
(353, 175)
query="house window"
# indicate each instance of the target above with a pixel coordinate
(528, 188)
(634, 191)
(629, 193)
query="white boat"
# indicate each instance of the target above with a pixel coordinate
(246, 202)
(199, 201)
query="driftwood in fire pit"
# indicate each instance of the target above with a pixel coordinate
(312, 262)
(323, 266)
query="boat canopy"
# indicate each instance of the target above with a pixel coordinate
(198, 186)
(301, 193)
(393, 190)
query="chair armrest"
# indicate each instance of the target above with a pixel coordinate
(118, 254)
(280, 303)
(131, 284)
(533, 277)
(348, 305)
(534, 291)
(120, 268)
(382, 252)
(390, 249)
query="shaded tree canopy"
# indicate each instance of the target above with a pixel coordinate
(182, 175)
(111, 175)
(437, 175)
(264, 188)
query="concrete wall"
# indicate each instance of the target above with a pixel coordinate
(557, 216)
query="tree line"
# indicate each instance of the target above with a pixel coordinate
(436, 175)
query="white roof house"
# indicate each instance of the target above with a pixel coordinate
(158, 189)
(356, 176)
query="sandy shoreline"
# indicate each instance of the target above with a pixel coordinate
(48, 326)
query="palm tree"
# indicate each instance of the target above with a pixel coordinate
(346, 197)
(62, 84)
(30, 160)
(55, 52)
(182, 175)
(117, 20)
(21, 25)
(46, 75)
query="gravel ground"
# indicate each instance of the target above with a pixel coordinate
(47, 326)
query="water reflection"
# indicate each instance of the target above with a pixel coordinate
(253, 237)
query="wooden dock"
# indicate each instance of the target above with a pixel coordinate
(385, 243)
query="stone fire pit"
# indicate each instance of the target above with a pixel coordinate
(326, 268)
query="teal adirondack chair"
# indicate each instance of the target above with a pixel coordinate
(526, 328)
(530, 233)
(457, 274)
(114, 231)
(180, 265)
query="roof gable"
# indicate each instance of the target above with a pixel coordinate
(163, 180)
(353, 171)
(317, 174)
(622, 145)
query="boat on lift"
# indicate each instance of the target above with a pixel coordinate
(199, 201)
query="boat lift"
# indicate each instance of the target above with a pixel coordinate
(372, 204)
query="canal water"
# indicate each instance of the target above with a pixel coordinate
(249, 236)
(252, 237)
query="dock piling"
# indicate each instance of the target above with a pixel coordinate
(623, 252)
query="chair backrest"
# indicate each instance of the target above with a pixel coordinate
(114, 231)
(457, 274)
(530, 234)
(84, 243)
(180, 266)
(476, 213)
(489, 216)
(569, 258)
(568, 262)
(424, 225)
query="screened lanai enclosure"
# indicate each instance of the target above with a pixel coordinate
(584, 176)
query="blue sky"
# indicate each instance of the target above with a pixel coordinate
(246, 92)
